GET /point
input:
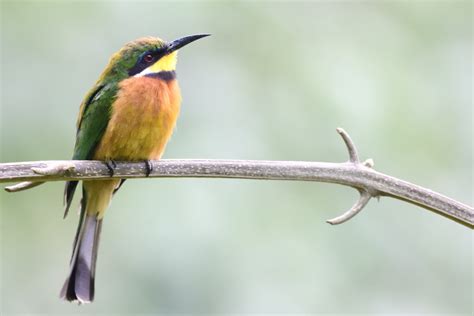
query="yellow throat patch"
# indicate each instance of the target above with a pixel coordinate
(165, 63)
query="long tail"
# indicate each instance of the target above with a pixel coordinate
(79, 285)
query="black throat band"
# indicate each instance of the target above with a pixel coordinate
(163, 75)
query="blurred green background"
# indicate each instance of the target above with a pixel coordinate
(273, 82)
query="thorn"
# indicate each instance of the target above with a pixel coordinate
(356, 208)
(369, 163)
(58, 169)
(22, 186)
(353, 155)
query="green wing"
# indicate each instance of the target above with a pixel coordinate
(93, 119)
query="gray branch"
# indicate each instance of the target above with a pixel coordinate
(353, 173)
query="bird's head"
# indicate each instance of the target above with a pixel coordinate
(146, 56)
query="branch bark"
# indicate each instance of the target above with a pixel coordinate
(353, 173)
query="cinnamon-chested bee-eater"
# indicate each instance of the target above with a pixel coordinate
(129, 114)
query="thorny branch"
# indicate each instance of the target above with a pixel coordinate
(354, 173)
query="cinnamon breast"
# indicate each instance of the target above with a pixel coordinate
(142, 119)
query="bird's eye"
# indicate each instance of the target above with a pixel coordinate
(148, 58)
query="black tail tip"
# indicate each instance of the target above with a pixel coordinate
(74, 291)
(73, 297)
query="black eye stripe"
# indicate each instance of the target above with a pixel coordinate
(148, 58)
(143, 58)
(143, 64)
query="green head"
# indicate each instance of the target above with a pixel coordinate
(145, 56)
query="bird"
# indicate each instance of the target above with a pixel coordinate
(128, 115)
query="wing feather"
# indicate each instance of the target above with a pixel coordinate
(94, 115)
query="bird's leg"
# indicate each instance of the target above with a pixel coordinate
(111, 165)
(148, 167)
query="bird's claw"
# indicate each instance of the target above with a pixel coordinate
(148, 167)
(111, 165)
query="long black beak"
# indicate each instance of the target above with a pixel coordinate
(183, 41)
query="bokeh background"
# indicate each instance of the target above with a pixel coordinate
(273, 82)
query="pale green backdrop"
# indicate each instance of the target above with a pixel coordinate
(273, 82)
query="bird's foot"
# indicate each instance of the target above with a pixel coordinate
(148, 167)
(111, 165)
